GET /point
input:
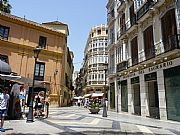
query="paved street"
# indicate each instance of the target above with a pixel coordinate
(78, 121)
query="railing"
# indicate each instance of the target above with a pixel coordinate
(149, 53)
(120, 2)
(111, 70)
(112, 39)
(121, 66)
(39, 78)
(134, 60)
(121, 31)
(144, 9)
(110, 16)
(133, 20)
(172, 42)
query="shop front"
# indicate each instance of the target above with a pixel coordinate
(124, 96)
(112, 96)
(152, 91)
(136, 95)
(172, 90)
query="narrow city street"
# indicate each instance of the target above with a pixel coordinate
(78, 121)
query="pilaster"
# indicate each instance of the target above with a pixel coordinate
(144, 97)
(161, 93)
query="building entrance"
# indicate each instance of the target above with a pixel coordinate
(172, 89)
(153, 99)
(137, 99)
(112, 96)
(124, 96)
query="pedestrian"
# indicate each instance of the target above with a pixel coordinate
(47, 106)
(4, 100)
(106, 102)
(79, 102)
(38, 104)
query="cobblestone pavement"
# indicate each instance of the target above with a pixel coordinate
(78, 121)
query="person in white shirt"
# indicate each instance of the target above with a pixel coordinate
(4, 99)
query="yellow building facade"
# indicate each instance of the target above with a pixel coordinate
(19, 37)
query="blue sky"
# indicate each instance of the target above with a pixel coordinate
(79, 15)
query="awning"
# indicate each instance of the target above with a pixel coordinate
(87, 95)
(9, 77)
(24, 80)
(78, 97)
(4, 68)
(97, 94)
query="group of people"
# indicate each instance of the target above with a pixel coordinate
(41, 105)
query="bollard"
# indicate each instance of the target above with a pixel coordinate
(104, 109)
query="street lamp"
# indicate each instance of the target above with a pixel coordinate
(30, 114)
(104, 105)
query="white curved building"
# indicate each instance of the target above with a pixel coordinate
(95, 60)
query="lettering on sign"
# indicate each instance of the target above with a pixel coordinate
(159, 66)
(150, 69)
(141, 71)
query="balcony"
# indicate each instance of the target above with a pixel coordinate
(146, 8)
(131, 24)
(121, 32)
(149, 53)
(111, 71)
(121, 66)
(172, 43)
(110, 17)
(134, 61)
(39, 78)
(120, 5)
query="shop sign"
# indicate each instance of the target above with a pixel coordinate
(159, 66)
(151, 76)
(150, 69)
(135, 80)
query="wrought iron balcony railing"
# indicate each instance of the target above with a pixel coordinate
(40, 78)
(149, 53)
(144, 9)
(134, 60)
(172, 42)
(121, 66)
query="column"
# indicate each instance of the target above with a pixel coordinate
(161, 94)
(144, 96)
(116, 94)
(119, 96)
(130, 97)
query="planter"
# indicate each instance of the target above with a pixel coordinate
(94, 110)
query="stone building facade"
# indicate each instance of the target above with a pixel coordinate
(95, 60)
(144, 51)
(19, 37)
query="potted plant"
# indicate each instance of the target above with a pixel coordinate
(94, 108)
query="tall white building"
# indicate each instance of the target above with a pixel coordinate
(95, 60)
(144, 58)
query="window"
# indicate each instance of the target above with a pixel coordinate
(134, 51)
(169, 30)
(99, 32)
(92, 34)
(138, 4)
(149, 43)
(42, 42)
(4, 32)
(39, 71)
(4, 58)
